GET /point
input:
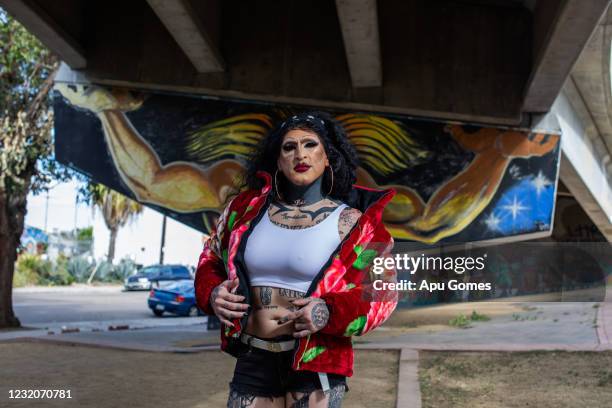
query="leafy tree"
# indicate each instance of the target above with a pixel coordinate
(116, 209)
(84, 234)
(26, 145)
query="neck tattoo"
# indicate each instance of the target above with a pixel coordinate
(303, 195)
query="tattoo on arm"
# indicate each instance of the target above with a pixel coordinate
(214, 294)
(319, 315)
(265, 295)
(347, 220)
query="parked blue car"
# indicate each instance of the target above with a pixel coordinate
(177, 298)
(150, 276)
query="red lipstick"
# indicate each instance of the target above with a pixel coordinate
(301, 168)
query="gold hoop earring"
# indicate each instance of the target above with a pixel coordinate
(332, 180)
(276, 187)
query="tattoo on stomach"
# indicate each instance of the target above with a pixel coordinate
(267, 307)
(265, 295)
(274, 307)
(290, 293)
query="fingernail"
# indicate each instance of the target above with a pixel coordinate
(245, 314)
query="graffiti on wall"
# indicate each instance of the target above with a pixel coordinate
(183, 154)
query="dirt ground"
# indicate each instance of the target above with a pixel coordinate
(440, 315)
(509, 380)
(103, 378)
(436, 317)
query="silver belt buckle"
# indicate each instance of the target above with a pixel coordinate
(274, 347)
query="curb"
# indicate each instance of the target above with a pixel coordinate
(113, 325)
(604, 324)
(69, 289)
(488, 348)
(602, 336)
(110, 345)
(408, 386)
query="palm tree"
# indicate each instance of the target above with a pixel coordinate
(116, 209)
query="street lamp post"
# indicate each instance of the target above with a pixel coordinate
(163, 242)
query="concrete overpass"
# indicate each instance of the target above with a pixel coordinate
(520, 63)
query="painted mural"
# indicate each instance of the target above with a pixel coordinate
(183, 155)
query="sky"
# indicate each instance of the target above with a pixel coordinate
(139, 240)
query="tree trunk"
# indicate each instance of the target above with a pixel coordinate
(12, 214)
(111, 244)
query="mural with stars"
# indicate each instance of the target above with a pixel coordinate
(183, 155)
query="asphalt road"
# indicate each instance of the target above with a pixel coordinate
(55, 305)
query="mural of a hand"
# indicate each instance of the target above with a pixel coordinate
(180, 186)
(98, 99)
(512, 144)
(383, 145)
(462, 198)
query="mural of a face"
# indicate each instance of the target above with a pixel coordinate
(302, 158)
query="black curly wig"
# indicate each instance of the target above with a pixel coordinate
(340, 153)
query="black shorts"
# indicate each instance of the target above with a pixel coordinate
(267, 374)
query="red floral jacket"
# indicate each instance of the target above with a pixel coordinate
(344, 282)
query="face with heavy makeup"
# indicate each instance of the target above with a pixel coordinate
(302, 158)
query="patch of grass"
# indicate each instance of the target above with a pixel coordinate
(605, 379)
(539, 379)
(461, 321)
(477, 317)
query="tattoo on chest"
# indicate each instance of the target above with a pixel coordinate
(285, 216)
(290, 293)
(265, 295)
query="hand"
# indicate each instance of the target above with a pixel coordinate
(226, 305)
(310, 318)
(97, 99)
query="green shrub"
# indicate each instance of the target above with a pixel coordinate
(460, 321)
(125, 268)
(59, 273)
(115, 273)
(477, 317)
(464, 321)
(85, 234)
(31, 269)
(79, 268)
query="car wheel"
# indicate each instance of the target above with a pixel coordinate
(158, 313)
(193, 311)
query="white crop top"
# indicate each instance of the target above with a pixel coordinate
(290, 258)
